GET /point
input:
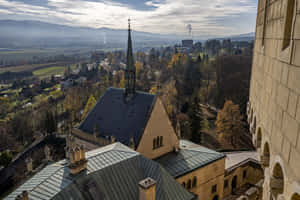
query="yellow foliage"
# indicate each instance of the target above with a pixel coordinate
(89, 105)
(138, 66)
(153, 90)
(177, 59)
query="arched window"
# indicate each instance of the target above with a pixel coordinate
(189, 184)
(296, 197)
(277, 181)
(288, 24)
(258, 138)
(265, 158)
(194, 181)
(154, 143)
(157, 142)
(160, 141)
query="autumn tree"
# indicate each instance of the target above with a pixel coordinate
(89, 105)
(230, 125)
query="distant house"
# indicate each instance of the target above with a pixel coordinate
(67, 84)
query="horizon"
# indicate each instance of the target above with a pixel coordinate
(207, 18)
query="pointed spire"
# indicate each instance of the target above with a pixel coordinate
(130, 67)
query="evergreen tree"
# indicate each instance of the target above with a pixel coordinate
(196, 120)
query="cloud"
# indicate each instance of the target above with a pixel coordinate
(165, 16)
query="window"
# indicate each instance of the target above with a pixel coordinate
(189, 184)
(226, 183)
(161, 141)
(214, 189)
(288, 24)
(157, 142)
(265, 23)
(194, 181)
(244, 174)
(183, 184)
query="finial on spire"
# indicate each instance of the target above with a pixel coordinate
(129, 20)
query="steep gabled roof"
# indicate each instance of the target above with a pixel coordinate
(113, 172)
(189, 158)
(114, 116)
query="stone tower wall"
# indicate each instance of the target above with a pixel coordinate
(274, 103)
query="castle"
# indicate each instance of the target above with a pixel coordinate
(274, 103)
(134, 153)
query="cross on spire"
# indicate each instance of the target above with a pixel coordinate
(130, 67)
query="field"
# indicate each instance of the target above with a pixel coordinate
(47, 72)
(22, 68)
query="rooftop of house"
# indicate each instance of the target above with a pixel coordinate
(238, 158)
(113, 172)
(114, 116)
(190, 157)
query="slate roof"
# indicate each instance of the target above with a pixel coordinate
(189, 158)
(113, 172)
(116, 117)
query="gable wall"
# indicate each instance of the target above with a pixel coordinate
(158, 125)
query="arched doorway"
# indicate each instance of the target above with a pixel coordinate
(216, 197)
(258, 138)
(265, 158)
(233, 184)
(277, 181)
(296, 197)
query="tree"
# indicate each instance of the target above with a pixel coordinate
(196, 120)
(89, 105)
(5, 158)
(50, 125)
(230, 125)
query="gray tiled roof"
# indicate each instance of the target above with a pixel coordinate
(113, 172)
(190, 157)
(116, 117)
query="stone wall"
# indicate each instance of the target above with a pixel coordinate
(207, 177)
(274, 104)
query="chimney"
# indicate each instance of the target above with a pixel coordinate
(147, 189)
(22, 196)
(47, 152)
(112, 139)
(78, 161)
(131, 143)
(29, 164)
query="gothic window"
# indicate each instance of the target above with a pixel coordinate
(288, 24)
(194, 181)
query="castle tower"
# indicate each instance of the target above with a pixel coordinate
(130, 68)
(274, 102)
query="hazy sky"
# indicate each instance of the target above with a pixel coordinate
(207, 17)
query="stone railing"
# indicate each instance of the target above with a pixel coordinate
(276, 183)
(265, 160)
